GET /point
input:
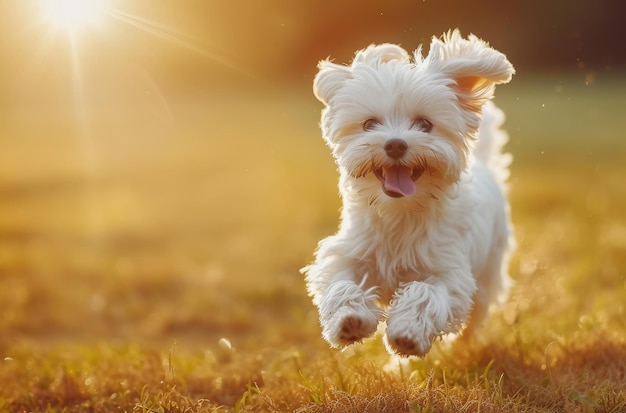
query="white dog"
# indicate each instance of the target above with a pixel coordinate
(425, 232)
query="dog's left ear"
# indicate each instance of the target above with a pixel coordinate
(329, 80)
(474, 66)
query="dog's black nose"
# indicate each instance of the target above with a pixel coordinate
(395, 148)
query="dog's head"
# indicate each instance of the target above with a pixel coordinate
(404, 128)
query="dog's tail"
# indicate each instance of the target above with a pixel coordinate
(491, 140)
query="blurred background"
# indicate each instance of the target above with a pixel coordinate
(196, 46)
(161, 169)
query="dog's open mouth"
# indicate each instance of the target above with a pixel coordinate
(398, 180)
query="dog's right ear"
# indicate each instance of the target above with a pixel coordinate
(472, 64)
(329, 80)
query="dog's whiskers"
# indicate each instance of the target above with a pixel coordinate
(362, 170)
(435, 156)
(372, 199)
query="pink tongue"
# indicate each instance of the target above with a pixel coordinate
(398, 179)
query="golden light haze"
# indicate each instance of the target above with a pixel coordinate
(201, 44)
(72, 15)
(163, 179)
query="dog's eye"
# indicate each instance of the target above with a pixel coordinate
(422, 124)
(370, 124)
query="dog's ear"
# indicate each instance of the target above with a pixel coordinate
(382, 53)
(472, 64)
(329, 80)
(331, 76)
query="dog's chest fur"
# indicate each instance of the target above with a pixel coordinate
(403, 247)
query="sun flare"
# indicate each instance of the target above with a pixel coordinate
(73, 14)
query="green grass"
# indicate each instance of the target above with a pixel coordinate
(128, 254)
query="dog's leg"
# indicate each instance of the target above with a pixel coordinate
(348, 313)
(348, 309)
(423, 311)
(493, 284)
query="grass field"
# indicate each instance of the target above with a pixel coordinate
(149, 262)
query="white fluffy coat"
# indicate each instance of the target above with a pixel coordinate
(425, 231)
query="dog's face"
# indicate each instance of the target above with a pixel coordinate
(402, 128)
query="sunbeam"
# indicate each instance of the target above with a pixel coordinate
(72, 15)
(177, 37)
(105, 64)
(91, 210)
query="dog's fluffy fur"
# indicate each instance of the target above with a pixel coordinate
(425, 231)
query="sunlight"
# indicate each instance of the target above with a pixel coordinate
(72, 14)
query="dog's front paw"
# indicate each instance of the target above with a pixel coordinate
(348, 314)
(348, 326)
(403, 343)
(419, 314)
